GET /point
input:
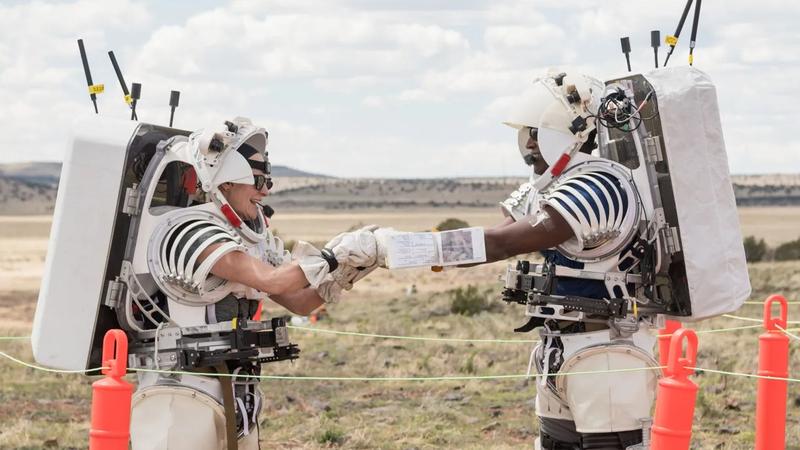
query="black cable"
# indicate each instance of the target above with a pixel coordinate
(625, 42)
(120, 77)
(88, 74)
(695, 23)
(678, 31)
(136, 94)
(655, 42)
(174, 99)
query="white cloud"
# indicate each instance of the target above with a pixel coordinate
(354, 87)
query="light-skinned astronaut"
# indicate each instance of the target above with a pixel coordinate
(187, 411)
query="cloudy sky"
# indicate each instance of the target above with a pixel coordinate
(371, 88)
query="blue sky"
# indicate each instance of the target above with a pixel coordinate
(364, 88)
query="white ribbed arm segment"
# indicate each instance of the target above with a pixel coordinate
(183, 245)
(594, 204)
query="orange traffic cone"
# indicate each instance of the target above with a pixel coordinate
(672, 425)
(773, 361)
(111, 397)
(664, 335)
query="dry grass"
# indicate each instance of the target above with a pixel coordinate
(41, 410)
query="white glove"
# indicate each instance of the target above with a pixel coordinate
(314, 266)
(347, 276)
(355, 248)
(382, 236)
(330, 291)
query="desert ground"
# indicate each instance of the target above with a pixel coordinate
(46, 410)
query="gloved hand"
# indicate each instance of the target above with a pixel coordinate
(347, 276)
(316, 264)
(330, 291)
(355, 248)
(382, 236)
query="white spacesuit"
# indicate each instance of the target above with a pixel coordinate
(147, 265)
(635, 253)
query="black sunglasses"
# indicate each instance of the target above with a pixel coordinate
(533, 133)
(261, 180)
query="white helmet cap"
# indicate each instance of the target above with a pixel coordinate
(214, 153)
(215, 156)
(561, 107)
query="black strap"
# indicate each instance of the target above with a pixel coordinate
(229, 404)
(247, 151)
(330, 258)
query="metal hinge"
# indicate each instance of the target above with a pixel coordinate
(652, 146)
(672, 239)
(114, 293)
(131, 204)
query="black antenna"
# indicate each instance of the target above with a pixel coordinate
(655, 42)
(174, 98)
(626, 48)
(93, 89)
(672, 40)
(136, 92)
(127, 98)
(695, 22)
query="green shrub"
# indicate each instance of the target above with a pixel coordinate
(451, 224)
(468, 301)
(788, 251)
(754, 250)
(470, 366)
(333, 436)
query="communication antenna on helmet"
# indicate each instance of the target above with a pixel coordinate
(136, 93)
(672, 40)
(695, 22)
(626, 49)
(128, 99)
(655, 42)
(174, 98)
(94, 89)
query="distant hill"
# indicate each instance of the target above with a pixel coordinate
(19, 197)
(30, 188)
(285, 171)
(47, 173)
(44, 173)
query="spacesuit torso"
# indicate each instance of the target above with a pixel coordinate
(189, 297)
(595, 197)
(185, 319)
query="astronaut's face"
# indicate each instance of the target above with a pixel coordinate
(245, 199)
(532, 146)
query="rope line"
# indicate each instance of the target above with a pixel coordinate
(786, 332)
(413, 338)
(721, 330)
(47, 369)
(746, 375)
(762, 303)
(442, 339)
(435, 378)
(752, 319)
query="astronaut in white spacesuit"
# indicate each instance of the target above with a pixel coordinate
(216, 260)
(629, 234)
(576, 208)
